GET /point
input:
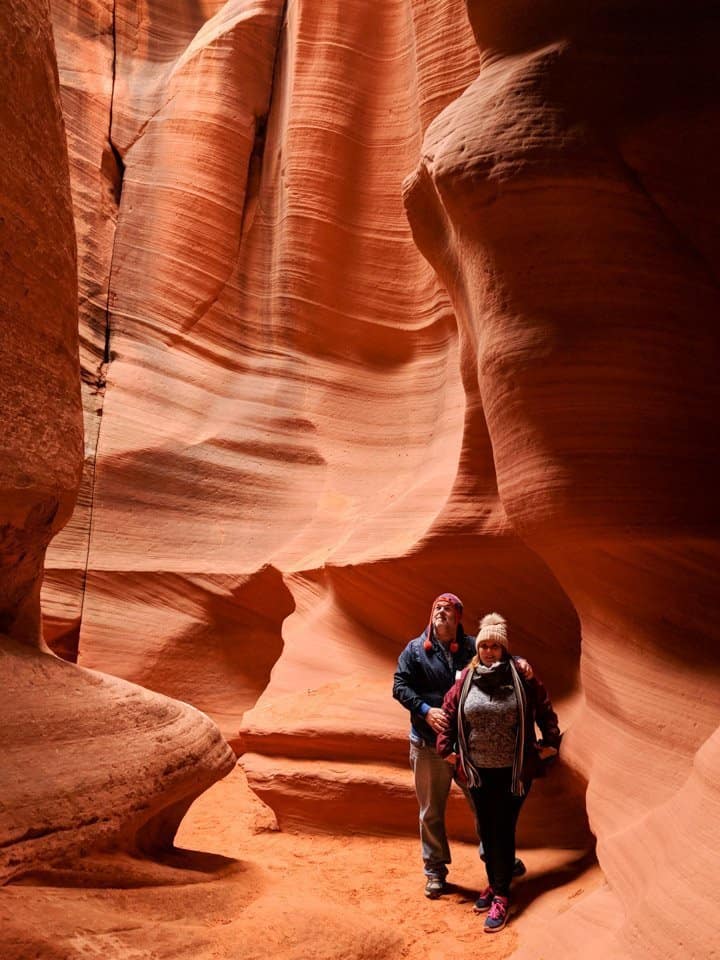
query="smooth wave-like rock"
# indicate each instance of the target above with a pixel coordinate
(39, 378)
(92, 762)
(318, 413)
(558, 189)
(269, 401)
(88, 761)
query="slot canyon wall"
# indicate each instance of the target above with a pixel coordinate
(567, 200)
(89, 761)
(378, 300)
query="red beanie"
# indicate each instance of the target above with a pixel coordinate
(457, 603)
(450, 598)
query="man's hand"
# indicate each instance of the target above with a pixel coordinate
(545, 752)
(524, 667)
(451, 758)
(436, 719)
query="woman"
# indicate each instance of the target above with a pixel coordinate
(492, 711)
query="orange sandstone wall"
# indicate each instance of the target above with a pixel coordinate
(320, 408)
(87, 760)
(85, 56)
(293, 457)
(570, 189)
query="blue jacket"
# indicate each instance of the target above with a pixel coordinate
(423, 677)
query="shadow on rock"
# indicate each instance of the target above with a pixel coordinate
(122, 871)
(527, 889)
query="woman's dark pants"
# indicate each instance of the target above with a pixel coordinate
(497, 812)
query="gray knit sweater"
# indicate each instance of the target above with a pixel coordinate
(491, 715)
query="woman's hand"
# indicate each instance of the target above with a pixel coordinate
(524, 667)
(451, 758)
(545, 752)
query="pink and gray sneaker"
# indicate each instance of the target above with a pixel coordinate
(484, 900)
(498, 915)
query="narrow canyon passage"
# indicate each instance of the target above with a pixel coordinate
(315, 310)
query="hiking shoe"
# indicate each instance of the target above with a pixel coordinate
(498, 916)
(434, 887)
(484, 901)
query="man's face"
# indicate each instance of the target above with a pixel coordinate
(444, 614)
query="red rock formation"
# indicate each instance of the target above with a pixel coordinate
(304, 439)
(282, 398)
(42, 433)
(85, 54)
(276, 395)
(87, 760)
(556, 199)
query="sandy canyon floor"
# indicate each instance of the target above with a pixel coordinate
(239, 888)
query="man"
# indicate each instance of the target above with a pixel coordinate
(427, 668)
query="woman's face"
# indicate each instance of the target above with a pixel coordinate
(489, 652)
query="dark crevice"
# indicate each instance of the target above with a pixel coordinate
(254, 174)
(255, 163)
(118, 179)
(117, 182)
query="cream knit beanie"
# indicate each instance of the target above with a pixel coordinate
(493, 629)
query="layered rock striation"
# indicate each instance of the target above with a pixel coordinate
(561, 190)
(88, 761)
(322, 406)
(285, 405)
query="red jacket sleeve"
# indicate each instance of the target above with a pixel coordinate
(447, 740)
(545, 716)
